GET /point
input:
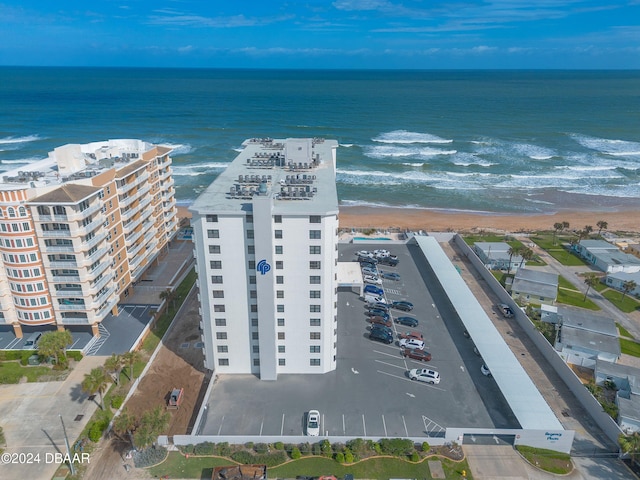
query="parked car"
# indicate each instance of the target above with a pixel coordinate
(380, 306)
(485, 370)
(408, 321)
(376, 312)
(381, 321)
(425, 375)
(381, 253)
(505, 310)
(416, 335)
(392, 262)
(377, 326)
(372, 298)
(419, 355)
(369, 271)
(390, 276)
(381, 336)
(412, 343)
(313, 423)
(402, 305)
(368, 264)
(372, 280)
(373, 289)
(365, 254)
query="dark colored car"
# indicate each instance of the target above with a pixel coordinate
(370, 260)
(381, 321)
(402, 305)
(408, 321)
(377, 306)
(392, 262)
(390, 276)
(375, 290)
(381, 336)
(420, 355)
(377, 312)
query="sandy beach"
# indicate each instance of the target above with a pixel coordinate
(437, 221)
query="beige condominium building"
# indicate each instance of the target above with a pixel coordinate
(79, 228)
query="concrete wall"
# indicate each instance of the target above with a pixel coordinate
(590, 404)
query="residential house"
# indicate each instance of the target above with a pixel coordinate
(607, 257)
(534, 286)
(627, 382)
(495, 256)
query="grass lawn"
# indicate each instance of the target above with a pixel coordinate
(547, 460)
(569, 295)
(12, 372)
(627, 305)
(472, 239)
(623, 331)
(178, 466)
(629, 347)
(559, 251)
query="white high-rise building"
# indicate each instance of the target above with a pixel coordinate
(265, 234)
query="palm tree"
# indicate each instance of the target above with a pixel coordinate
(602, 225)
(628, 286)
(591, 281)
(565, 225)
(630, 444)
(169, 296)
(527, 254)
(129, 359)
(96, 381)
(114, 365)
(152, 424)
(513, 251)
(124, 425)
(556, 228)
(580, 234)
(587, 230)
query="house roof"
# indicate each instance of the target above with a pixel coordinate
(591, 341)
(536, 282)
(632, 374)
(624, 276)
(67, 193)
(629, 407)
(586, 320)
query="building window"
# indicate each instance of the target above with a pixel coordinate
(218, 308)
(314, 308)
(212, 218)
(281, 322)
(250, 234)
(314, 336)
(314, 349)
(214, 248)
(315, 219)
(254, 308)
(315, 249)
(255, 336)
(256, 362)
(254, 322)
(221, 322)
(279, 293)
(223, 348)
(279, 279)
(279, 264)
(255, 348)
(251, 249)
(253, 294)
(314, 294)
(282, 362)
(280, 308)
(220, 293)
(278, 233)
(223, 362)
(281, 348)
(314, 362)
(278, 249)
(215, 264)
(314, 234)
(314, 265)
(252, 279)
(252, 264)
(249, 218)
(213, 233)
(314, 279)
(314, 322)
(221, 335)
(216, 278)
(280, 335)
(277, 219)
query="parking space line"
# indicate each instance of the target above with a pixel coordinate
(387, 354)
(344, 430)
(392, 375)
(405, 426)
(385, 426)
(322, 423)
(261, 425)
(390, 364)
(364, 426)
(282, 425)
(221, 423)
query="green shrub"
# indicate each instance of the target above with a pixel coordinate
(278, 446)
(188, 449)
(261, 448)
(338, 447)
(415, 457)
(305, 448)
(116, 401)
(396, 446)
(97, 429)
(74, 355)
(223, 449)
(358, 446)
(377, 448)
(316, 449)
(204, 448)
(325, 448)
(426, 447)
(295, 453)
(348, 457)
(248, 445)
(242, 456)
(340, 457)
(269, 459)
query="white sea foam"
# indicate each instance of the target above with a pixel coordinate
(404, 136)
(178, 148)
(346, 145)
(20, 161)
(409, 164)
(617, 148)
(197, 169)
(25, 139)
(379, 152)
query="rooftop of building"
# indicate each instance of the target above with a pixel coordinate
(493, 246)
(586, 320)
(632, 374)
(298, 173)
(586, 340)
(78, 162)
(597, 245)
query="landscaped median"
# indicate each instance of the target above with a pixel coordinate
(388, 458)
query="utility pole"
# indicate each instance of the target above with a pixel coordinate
(66, 442)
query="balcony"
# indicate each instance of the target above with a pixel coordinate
(80, 231)
(95, 288)
(67, 292)
(56, 234)
(132, 238)
(86, 261)
(98, 237)
(99, 269)
(58, 249)
(66, 278)
(70, 307)
(107, 308)
(74, 321)
(62, 264)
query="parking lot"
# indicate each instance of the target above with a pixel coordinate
(370, 393)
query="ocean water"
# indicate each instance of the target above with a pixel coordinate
(488, 141)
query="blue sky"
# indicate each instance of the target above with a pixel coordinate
(422, 34)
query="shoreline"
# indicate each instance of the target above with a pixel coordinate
(383, 218)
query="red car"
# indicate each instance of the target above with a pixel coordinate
(381, 320)
(416, 335)
(421, 355)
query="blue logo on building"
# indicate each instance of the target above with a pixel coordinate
(263, 267)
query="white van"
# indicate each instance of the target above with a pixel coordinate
(371, 298)
(32, 341)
